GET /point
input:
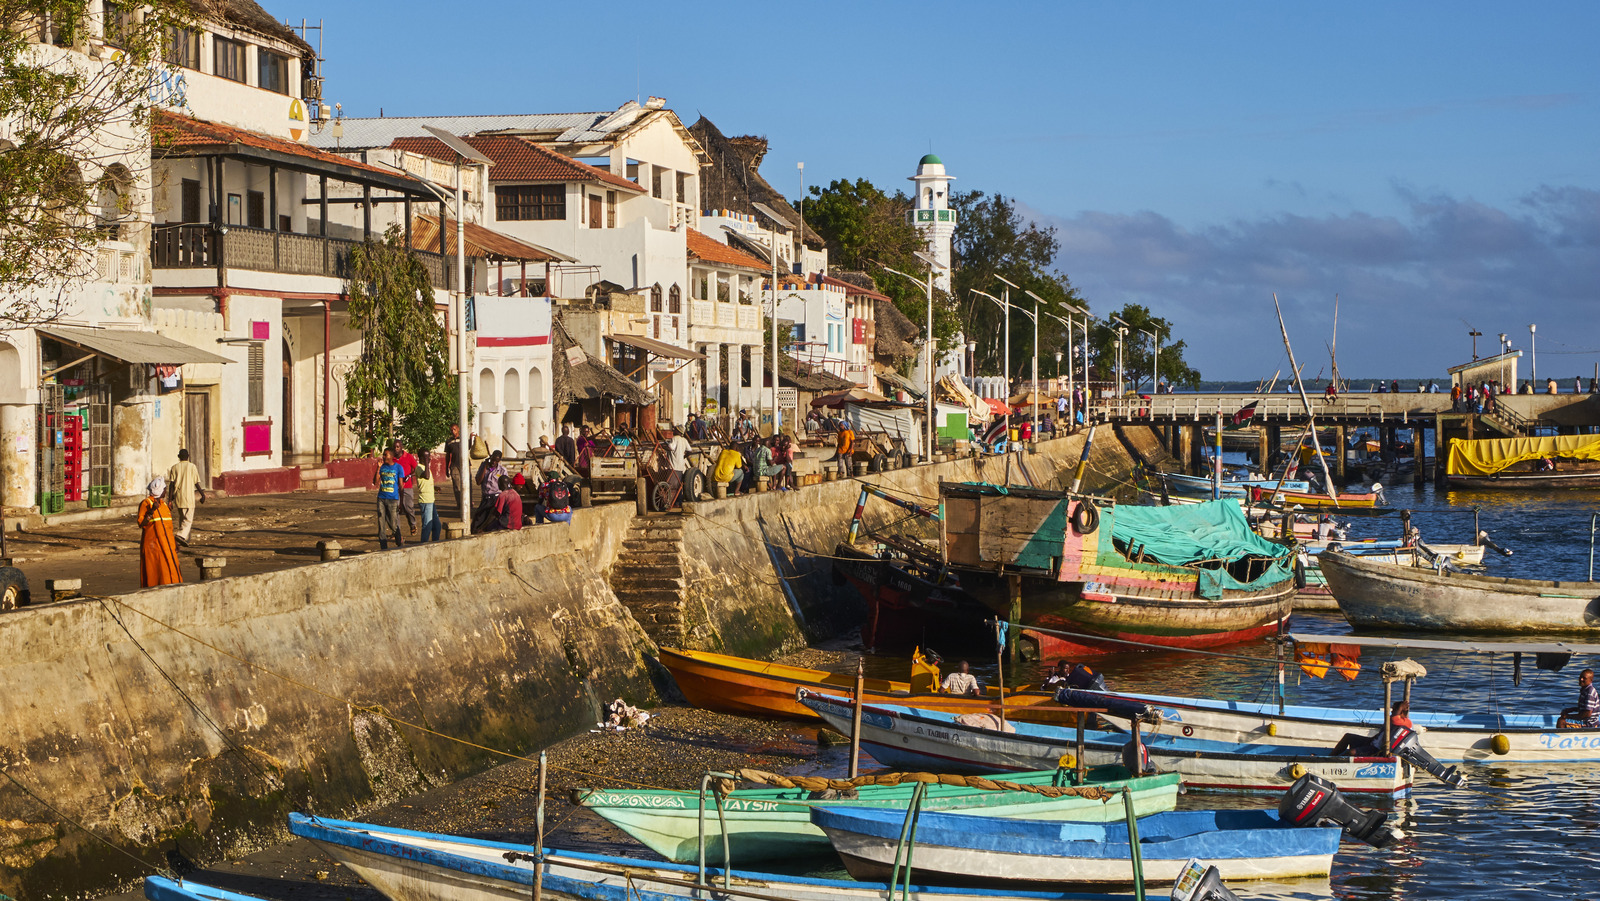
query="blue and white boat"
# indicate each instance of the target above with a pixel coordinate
(991, 851)
(910, 738)
(423, 866)
(1196, 486)
(160, 888)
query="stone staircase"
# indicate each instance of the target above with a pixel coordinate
(648, 577)
(318, 480)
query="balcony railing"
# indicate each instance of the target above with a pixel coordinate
(264, 250)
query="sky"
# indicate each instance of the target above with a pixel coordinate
(1432, 164)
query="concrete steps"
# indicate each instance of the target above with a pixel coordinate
(648, 577)
(318, 479)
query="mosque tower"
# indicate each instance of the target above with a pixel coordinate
(932, 214)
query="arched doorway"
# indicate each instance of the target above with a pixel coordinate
(287, 440)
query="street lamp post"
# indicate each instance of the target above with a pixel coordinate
(1033, 388)
(1533, 351)
(1121, 331)
(464, 152)
(1155, 361)
(1005, 305)
(927, 347)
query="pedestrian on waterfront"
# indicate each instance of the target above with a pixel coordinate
(183, 487)
(422, 476)
(387, 479)
(1577, 384)
(1587, 713)
(961, 682)
(507, 509)
(586, 449)
(765, 466)
(678, 448)
(408, 485)
(566, 447)
(783, 455)
(1394, 386)
(555, 502)
(745, 428)
(1550, 387)
(455, 465)
(846, 447)
(158, 546)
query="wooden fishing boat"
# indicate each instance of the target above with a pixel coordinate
(988, 851)
(758, 688)
(1309, 501)
(904, 737)
(1092, 578)
(160, 888)
(910, 602)
(775, 823)
(1384, 596)
(425, 866)
(1554, 461)
(1196, 486)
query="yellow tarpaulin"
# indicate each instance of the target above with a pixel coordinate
(1491, 455)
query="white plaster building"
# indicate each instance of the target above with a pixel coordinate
(932, 216)
(725, 317)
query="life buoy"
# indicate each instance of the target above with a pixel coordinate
(1086, 518)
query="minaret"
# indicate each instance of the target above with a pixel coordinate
(932, 214)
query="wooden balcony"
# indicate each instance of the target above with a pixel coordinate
(265, 250)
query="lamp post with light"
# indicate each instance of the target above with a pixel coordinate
(927, 344)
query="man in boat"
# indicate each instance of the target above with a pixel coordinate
(962, 681)
(1355, 744)
(1587, 713)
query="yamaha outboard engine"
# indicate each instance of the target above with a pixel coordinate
(1313, 799)
(1199, 882)
(1408, 748)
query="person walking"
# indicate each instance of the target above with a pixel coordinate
(567, 447)
(432, 528)
(387, 479)
(183, 487)
(455, 464)
(158, 546)
(408, 484)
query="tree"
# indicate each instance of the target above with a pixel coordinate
(1136, 349)
(401, 384)
(866, 229)
(75, 112)
(991, 240)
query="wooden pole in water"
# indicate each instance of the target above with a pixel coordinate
(538, 825)
(1216, 462)
(1083, 767)
(1000, 672)
(1388, 725)
(855, 718)
(1311, 417)
(1014, 613)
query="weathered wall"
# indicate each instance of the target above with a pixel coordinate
(508, 640)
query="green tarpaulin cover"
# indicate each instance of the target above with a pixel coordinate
(1192, 533)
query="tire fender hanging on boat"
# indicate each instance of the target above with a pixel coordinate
(1086, 519)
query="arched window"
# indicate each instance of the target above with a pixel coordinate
(655, 299)
(675, 301)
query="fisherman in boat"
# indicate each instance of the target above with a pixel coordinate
(1587, 713)
(962, 681)
(1357, 745)
(1058, 676)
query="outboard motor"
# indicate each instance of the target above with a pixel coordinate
(1136, 758)
(1199, 882)
(1408, 748)
(1313, 799)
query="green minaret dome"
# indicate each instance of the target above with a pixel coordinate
(932, 160)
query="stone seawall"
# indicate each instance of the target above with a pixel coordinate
(194, 716)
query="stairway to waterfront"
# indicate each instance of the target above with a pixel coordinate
(648, 577)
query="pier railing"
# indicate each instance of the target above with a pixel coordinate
(1204, 407)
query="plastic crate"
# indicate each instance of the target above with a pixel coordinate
(99, 495)
(52, 502)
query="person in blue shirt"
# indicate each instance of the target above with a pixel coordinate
(387, 479)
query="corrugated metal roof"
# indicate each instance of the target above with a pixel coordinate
(132, 346)
(566, 128)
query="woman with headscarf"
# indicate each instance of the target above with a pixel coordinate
(158, 546)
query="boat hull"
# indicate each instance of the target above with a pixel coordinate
(907, 611)
(1451, 738)
(900, 739)
(755, 688)
(770, 824)
(1381, 596)
(1527, 481)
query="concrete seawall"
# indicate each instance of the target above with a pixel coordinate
(140, 718)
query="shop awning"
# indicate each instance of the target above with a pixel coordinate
(659, 348)
(131, 346)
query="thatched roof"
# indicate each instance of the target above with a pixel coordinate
(733, 180)
(895, 336)
(593, 379)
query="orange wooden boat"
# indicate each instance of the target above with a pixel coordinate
(1313, 501)
(756, 688)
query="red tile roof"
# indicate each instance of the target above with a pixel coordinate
(851, 289)
(481, 242)
(171, 131)
(519, 159)
(708, 249)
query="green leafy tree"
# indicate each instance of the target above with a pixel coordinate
(1137, 350)
(866, 229)
(992, 239)
(400, 386)
(75, 113)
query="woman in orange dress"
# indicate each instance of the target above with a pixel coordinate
(158, 547)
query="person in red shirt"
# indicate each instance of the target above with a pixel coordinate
(408, 484)
(507, 508)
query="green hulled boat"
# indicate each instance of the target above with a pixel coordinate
(770, 823)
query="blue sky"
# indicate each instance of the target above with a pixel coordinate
(1429, 162)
